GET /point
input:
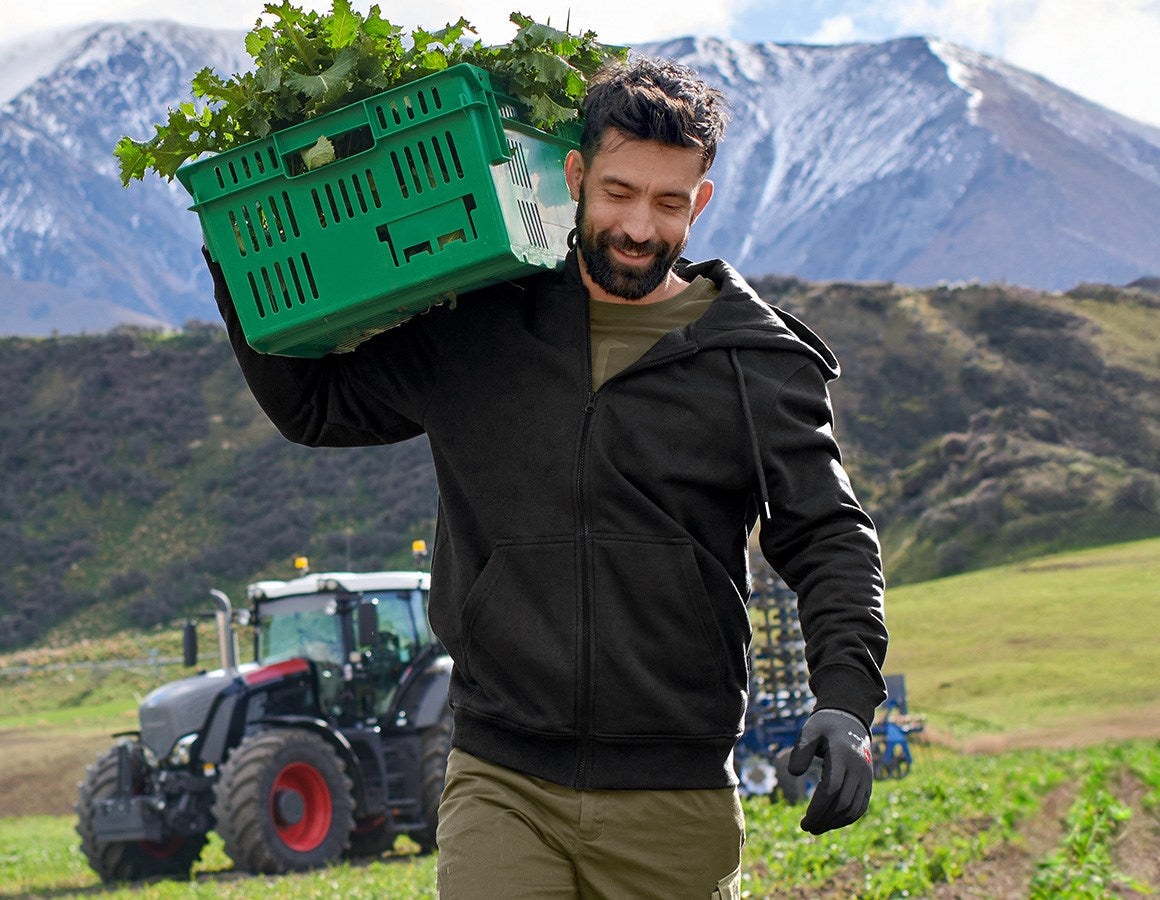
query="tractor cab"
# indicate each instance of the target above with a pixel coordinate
(360, 631)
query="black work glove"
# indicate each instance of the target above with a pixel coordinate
(843, 743)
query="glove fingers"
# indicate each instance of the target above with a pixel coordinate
(801, 756)
(826, 799)
(839, 800)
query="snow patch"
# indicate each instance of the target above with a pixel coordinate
(25, 60)
(959, 72)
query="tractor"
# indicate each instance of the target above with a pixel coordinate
(332, 742)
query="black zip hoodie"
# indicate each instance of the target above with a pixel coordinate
(590, 569)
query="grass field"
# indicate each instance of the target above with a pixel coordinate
(1060, 648)
(1040, 824)
(1052, 665)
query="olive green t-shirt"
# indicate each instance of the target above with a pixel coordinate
(623, 332)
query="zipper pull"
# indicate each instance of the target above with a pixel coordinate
(590, 406)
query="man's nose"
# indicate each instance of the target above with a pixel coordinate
(638, 223)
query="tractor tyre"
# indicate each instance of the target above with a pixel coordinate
(436, 745)
(795, 788)
(129, 860)
(284, 803)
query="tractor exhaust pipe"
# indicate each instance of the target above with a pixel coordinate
(227, 638)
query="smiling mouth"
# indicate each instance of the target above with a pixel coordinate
(634, 257)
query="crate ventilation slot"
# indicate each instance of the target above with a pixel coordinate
(246, 168)
(406, 109)
(282, 285)
(426, 165)
(345, 198)
(264, 223)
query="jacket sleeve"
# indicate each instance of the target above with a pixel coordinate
(373, 395)
(825, 546)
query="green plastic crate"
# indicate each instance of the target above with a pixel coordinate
(452, 192)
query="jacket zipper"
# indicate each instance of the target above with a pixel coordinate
(586, 696)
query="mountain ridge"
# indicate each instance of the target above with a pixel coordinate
(910, 160)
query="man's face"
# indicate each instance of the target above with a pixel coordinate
(636, 201)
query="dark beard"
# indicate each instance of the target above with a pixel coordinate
(613, 277)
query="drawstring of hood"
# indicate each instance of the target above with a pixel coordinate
(754, 444)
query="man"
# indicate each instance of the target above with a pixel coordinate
(605, 438)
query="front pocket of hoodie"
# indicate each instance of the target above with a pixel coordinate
(519, 627)
(659, 654)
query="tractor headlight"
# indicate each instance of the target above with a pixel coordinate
(182, 751)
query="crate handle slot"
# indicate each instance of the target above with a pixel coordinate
(456, 225)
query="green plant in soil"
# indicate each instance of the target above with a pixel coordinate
(308, 63)
(1083, 865)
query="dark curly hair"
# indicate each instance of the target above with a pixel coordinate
(654, 99)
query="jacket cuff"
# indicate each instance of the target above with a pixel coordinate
(848, 689)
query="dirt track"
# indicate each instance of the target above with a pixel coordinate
(40, 773)
(1140, 724)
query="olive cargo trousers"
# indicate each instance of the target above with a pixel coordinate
(503, 834)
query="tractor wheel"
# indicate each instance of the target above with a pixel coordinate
(129, 860)
(284, 803)
(436, 746)
(795, 788)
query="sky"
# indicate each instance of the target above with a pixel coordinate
(1104, 50)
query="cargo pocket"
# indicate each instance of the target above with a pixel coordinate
(729, 887)
(519, 635)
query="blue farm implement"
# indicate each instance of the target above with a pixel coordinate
(781, 701)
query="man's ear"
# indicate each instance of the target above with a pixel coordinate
(574, 172)
(701, 200)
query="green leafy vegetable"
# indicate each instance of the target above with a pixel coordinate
(308, 63)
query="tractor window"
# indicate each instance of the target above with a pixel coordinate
(300, 626)
(399, 639)
(399, 635)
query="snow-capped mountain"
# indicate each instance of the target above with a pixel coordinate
(77, 250)
(911, 160)
(919, 161)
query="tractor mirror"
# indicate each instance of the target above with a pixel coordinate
(189, 644)
(368, 624)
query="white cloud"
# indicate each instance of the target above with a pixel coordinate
(614, 21)
(840, 29)
(1105, 51)
(1108, 53)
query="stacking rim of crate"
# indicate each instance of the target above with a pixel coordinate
(437, 187)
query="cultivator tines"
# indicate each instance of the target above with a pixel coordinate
(780, 701)
(779, 650)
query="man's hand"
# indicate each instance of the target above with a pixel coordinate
(843, 743)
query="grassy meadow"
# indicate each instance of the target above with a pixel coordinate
(1057, 645)
(1049, 665)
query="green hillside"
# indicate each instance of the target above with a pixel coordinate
(985, 424)
(1063, 645)
(982, 425)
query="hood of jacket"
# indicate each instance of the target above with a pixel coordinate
(740, 319)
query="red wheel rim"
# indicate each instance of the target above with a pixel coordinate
(310, 830)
